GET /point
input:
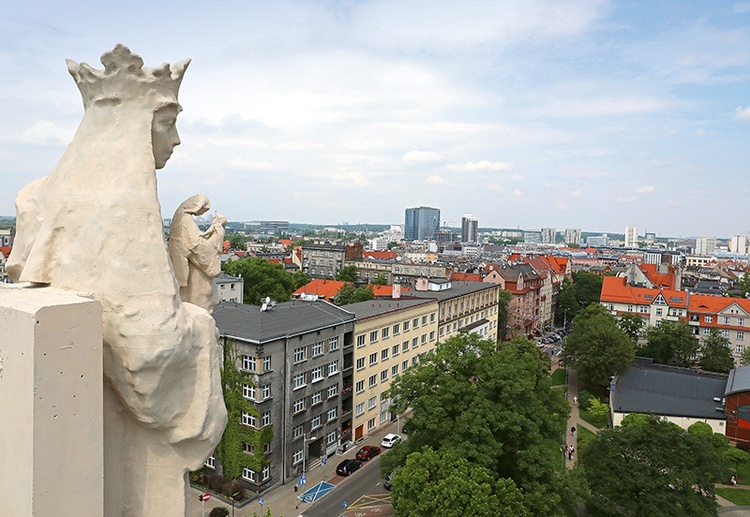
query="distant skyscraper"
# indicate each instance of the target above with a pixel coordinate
(598, 241)
(631, 236)
(421, 223)
(705, 246)
(738, 244)
(572, 236)
(469, 228)
(549, 236)
(532, 237)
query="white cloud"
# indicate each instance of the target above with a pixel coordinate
(517, 193)
(436, 180)
(417, 156)
(256, 166)
(482, 165)
(626, 199)
(46, 132)
(576, 193)
(645, 188)
(742, 113)
(344, 179)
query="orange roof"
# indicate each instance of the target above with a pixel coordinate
(466, 277)
(709, 304)
(661, 279)
(384, 291)
(285, 242)
(325, 289)
(617, 290)
(6, 250)
(380, 255)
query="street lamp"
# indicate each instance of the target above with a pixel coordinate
(565, 319)
(304, 451)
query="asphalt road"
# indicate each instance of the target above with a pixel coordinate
(366, 481)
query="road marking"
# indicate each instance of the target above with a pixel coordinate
(371, 501)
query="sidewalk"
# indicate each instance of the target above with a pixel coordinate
(282, 500)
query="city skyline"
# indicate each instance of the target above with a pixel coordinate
(598, 115)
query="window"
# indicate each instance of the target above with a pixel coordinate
(630, 308)
(740, 335)
(248, 363)
(384, 354)
(248, 448)
(266, 390)
(331, 414)
(395, 350)
(248, 391)
(248, 419)
(266, 474)
(414, 360)
(361, 363)
(706, 332)
(248, 474)
(331, 437)
(265, 418)
(298, 381)
(432, 318)
(384, 332)
(725, 333)
(360, 409)
(372, 402)
(299, 354)
(373, 358)
(397, 329)
(726, 320)
(394, 370)
(658, 311)
(415, 323)
(317, 349)
(315, 422)
(360, 387)
(404, 366)
(740, 322)
(299, 405)
(432, 335)
(738, 349)
(360, 341)
(211, 462)
(333, 390)
(316, 398)
(405, 346)
(414, 342)
(384, 375)
(297, 457)
(708, 319)
(267, 363)
(333, 344)
(424, 320)
(373, 381)
(406, 326)
(373, 336)
(423, 338)
(297, 431)
(317, 374)
(267, 448)
(333, 368)
(370, 424)
(383, 416)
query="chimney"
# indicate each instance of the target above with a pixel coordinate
(396, 291)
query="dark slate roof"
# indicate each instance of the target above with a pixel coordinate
(248, 323)
(368, 309)
(668, 391)
(457, 289)
(739, 380)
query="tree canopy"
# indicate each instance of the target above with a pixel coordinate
(502, 314)
(588, 287)
(489, 403)
(567, 303)
(632, 325)
(350, 294)
(347, 274)
(237, 241)
(262, 278)
(649, 466)
(597, 348)
(671, 343)
(716, 356)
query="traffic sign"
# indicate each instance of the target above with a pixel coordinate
(344, 505)
(324, 461)
(205, 497)
(261, 501)
(303, 478)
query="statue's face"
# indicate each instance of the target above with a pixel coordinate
(164, 135)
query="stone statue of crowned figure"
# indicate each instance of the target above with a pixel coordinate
(94, 226)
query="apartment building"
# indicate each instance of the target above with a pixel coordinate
(572, 236)
(231, 288)
(300, 356)
(322, 260)
(631, 236)
(549, 236)
(390, 336)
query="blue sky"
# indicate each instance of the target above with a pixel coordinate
(528, 113)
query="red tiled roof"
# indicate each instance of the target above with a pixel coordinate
(325, 289)
(466, 277)
(617, 290)
(384, 291)
(6, 250)
(380, 255)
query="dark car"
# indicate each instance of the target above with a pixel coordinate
(368, 452)
(346, 467)
(387, 481)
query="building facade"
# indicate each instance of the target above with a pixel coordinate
(231, 288)
(421, 223)
(631, 236)
(705, 246)
(549, 236)
(469, 228)
(572, 236)
(323, 260)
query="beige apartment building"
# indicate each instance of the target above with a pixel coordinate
(389, 336)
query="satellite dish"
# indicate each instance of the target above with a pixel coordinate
(268, 300)
(264, 307)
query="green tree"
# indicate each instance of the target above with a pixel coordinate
(237, 241)
(597, 348)
(650, 466)
(433, 483)
(632, 325)
(744, 285)
(671, 343)
(567, 303)
(503, 313)
(347, 274)
(588, 287)
(392, 244)
(230, 449)
(716, 356)
(380, 280)
(745, 358)
(262, 278)
(350, 294)
(300, 278)
(490, 403)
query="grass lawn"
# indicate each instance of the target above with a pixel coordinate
(584, 437)
(558, 377)
(600, 422)
(743, 474)
(738, 496)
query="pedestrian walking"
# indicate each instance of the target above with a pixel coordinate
(573, 430)
(734, 481)
(575, 399)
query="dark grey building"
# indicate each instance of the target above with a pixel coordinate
(421, 223)
(323, 260)
(469, 228)
(301, 357)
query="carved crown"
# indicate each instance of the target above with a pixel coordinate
(124, 77)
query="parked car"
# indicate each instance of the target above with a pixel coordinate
(387, 481)
(368, 452)
(390, 440)
(346, 467)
